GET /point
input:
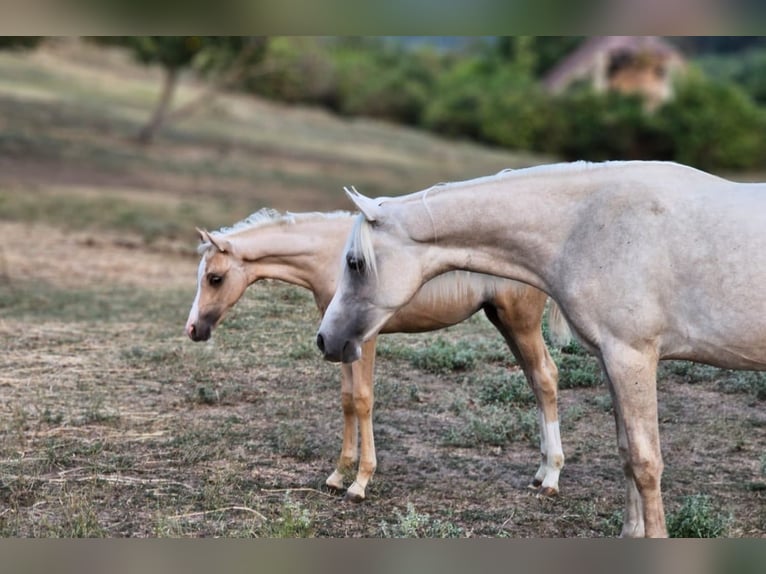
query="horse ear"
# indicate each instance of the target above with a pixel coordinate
(369, 207)
(220, 243)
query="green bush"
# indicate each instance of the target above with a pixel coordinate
(607, 126)
(455, 108)
(697, 519)
(386, 83)
(413, 524)
(505, 389)
(517, 114)
(441, 356)
(296, 70)
(713, 125)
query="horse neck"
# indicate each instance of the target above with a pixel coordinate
(509, 226)
(303, 253)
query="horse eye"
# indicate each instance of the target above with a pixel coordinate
(215, 280)
(355, 264)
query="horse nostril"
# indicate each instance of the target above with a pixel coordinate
(192, 331)
(320, 342)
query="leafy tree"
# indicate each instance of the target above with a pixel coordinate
(176, 53)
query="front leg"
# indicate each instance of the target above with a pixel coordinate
(348, 453)
(363, 371)
(632, 377)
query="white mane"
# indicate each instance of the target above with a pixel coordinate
(360, 244)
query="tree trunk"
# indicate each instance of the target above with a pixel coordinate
(147, 133)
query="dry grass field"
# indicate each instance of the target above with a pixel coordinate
(114, 424)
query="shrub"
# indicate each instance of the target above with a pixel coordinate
(713, 125)
(505, 389)
(413, 524)
(385, 83)
(517, 114)
(494, 425)
(607, 126)
(697, 519)
(442, 356)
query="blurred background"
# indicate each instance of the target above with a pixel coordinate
(217, 127)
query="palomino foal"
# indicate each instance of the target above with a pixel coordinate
(648, 261)
(306, 250)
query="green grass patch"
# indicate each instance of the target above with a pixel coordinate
(697, 518)
(414, 524)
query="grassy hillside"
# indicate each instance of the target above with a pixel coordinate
(69, 111)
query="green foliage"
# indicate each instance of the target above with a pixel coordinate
(294, 521)
(505, 389)
(19, 42)
(169, 51)
(460, 92)
(746, 70)
(604, 126)
(577, 369)
(697, 519)
(297, 70)
(539, 53)
(516, 113)
(413, 524)
(746, 382)
(713, 125)
(441, 356)
(493, 425)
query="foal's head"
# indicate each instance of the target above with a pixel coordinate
(221, 281)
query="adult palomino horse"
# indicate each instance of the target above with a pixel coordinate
(647, 260)
(306, 250)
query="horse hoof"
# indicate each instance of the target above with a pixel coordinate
(355, 493)
(353, 497)
(335, 482)
(548, 492)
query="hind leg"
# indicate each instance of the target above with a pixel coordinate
(518, 316)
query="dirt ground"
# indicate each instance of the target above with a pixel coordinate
(115, 425)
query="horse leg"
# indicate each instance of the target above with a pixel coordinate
(348, 452)
(519, 319)
(363, 370)
(633, 518)
(632, 378)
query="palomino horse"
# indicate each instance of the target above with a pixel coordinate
(647, 260)
(306, 250)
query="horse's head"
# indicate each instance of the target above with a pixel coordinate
(221, 281)
(380, 273)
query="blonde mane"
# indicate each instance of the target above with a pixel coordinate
(267, 217)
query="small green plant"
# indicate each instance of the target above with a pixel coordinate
(413, 524)
(697, 519)
(493, 425)
(442, 357)
(577, 370)
(294, 521)
(293, 440)
(752, 383)
(505, 389)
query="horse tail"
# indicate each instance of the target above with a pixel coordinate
(559, 330)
